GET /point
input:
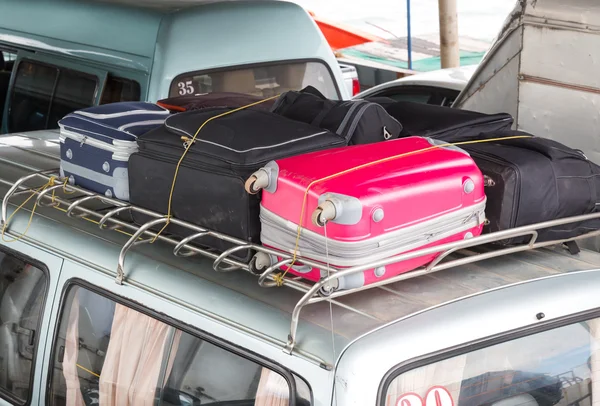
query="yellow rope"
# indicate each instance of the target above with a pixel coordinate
(190, 142)
(34, 193)
(279, 277)
(88, 371)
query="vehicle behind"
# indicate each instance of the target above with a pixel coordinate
(97, 53)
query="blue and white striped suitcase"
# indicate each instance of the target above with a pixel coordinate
(96, 143)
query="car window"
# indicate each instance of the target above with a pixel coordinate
(43, 94)
(410, 96)
(22, 291)
(556, 367)
(263, 81)
(119, 90)
(7, 60)
(110, 354)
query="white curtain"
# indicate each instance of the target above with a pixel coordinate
(135, 358)
(70, 372)
(273, 389)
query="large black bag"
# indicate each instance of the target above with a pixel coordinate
(210, 190)
(444, 123)
(359, 121)
(532, 180)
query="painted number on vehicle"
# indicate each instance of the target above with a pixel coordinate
(436, 396)
(185, 88)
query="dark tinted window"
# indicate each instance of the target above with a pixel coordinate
(22, 290)
(7, 60)
(556, 367)
(74, 91)
(43, 94)
(120, 89)
(421, 94)
(110, 354)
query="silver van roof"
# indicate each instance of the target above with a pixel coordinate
(235, 298)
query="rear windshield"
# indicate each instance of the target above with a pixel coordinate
(262, 81)
(558, 367)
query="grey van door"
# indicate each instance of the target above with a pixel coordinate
(28, 280)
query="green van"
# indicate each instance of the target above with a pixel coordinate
(59, 56)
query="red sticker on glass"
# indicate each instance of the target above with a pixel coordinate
(436, 396)
(409, 399)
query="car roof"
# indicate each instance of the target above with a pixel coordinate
(451, 78)
(236, 298)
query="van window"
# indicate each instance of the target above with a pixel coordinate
(107, 353)
(261, 80)
(43, 94)
(22, 292)
(555, 367)
(7, 60)
(120, 90)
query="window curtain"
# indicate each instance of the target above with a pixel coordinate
(70, 372)
(140, 352)
(273, 389)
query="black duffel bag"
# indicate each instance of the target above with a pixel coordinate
(359, 121)
(209, 190)
(443, 123)
(533, 180)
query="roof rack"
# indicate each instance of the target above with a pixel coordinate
(222, 262)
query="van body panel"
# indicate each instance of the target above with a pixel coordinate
(185, 318)
(229, 34)
(459, 324)
(102, 32)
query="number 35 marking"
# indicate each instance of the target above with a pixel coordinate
(436, 396)
(185, 87)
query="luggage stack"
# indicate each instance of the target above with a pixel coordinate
(340, 183)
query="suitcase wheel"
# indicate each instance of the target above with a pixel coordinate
(250, 185)
(326, 291)
(260, 262)
(325, 212)
(260, 179)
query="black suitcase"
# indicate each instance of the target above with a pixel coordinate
(532, 180)
(444, 123)
(359, 121)
(209, 190)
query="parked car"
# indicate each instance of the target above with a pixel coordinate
(440, 87)
(351, 81)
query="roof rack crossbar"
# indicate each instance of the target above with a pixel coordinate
(17, 185)
(225, 262)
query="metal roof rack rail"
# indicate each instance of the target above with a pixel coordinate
(223, 262)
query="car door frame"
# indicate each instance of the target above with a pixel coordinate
(51, 265)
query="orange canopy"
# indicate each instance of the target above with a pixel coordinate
(341, 36)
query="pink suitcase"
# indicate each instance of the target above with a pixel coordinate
(412, 194)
